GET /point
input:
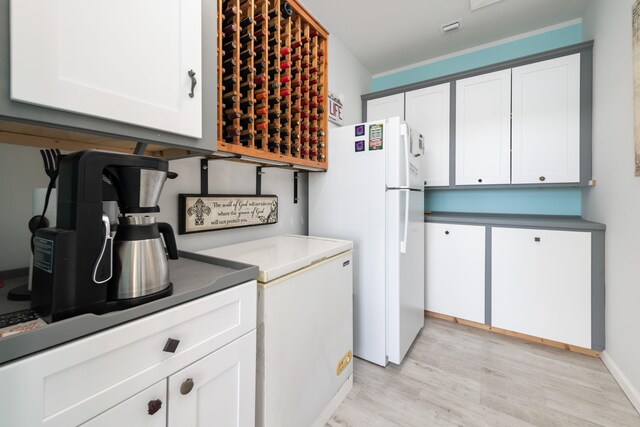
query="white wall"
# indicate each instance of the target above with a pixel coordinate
(21, 170)
(615, 200)
(348, 78)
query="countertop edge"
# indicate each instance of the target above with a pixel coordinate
(507, 220)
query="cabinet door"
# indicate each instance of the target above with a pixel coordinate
(483, 129)
(428, 112)
(127, 61)
(541, 283)
(222, 391)
(138, 410)
(383, 108)
(455, 270)
(546, 121)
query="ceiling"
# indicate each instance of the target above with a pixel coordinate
(386, 35)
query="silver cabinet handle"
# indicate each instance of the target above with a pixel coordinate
(194, 82)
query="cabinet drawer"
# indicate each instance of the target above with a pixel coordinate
(541, 283)
(72, 383)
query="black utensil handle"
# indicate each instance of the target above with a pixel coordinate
(169, 239)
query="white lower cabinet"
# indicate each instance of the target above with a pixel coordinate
(109, 378)
(541, 283)
(455, 270)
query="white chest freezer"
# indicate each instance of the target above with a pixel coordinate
(305, 326)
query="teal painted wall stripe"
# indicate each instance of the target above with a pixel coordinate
(542, 201)
(511, 50)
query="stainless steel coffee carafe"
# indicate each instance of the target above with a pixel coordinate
(141, 267)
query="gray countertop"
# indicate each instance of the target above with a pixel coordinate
(192, 275)
(508, 220)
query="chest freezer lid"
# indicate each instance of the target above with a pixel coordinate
(281, 255)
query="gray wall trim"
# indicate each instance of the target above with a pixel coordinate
(597, 291)
(487, 276)
(33, 114)
(17, 272)
(512, 186)
(586, 107)
(542, 56)
(452, 134)
(364, 111)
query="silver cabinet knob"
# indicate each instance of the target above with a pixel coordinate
(542, 178)
(186, 386)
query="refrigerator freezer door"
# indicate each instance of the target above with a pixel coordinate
(405, 271)
(404, 156)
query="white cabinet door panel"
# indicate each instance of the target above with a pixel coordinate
(483, 129)
(384, 108)
(541, 283)
(455, 270)
(427, 111)
(546, 121)
(122, 60)
(224, 388)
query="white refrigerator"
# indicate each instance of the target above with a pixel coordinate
(372, 194)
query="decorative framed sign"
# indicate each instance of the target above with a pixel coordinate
(335, 110)
(208, 212)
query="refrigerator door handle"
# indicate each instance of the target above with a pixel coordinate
(403, 243)
(407, 141)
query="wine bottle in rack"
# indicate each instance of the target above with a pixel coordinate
(274, 42)
(261, 126)
(321, 133)
(230, 29)
(285, 51)
(229, 63)
(247, 71)
(321, 157)
(274, 146)
(247, 86)
(246, 54)
(229, 47)
(247, 37)
(246, 121)
(245, 103)
(230, 11)
(233, 114)
(261, 79)
(245, 22)
(247, 134)
(285, 119)
(275, 99)
(260, 33)
(273, 114)
(248, 117)
(284, 132)
(321, 145)
(260, 110)
(304, 151)
(260, 17)
(286, 9)
(285, 79)
(231, 100)
(232, 131)
(273, 13)
(274, 131)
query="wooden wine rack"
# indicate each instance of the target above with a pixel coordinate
(272, 82)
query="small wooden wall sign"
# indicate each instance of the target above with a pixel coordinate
(198, 213)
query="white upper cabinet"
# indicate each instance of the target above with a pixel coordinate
(483, 129)
(383, 108)
(122, 60)
(546, 121)
(428, 112)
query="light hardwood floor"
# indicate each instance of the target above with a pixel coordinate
(455, 375)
